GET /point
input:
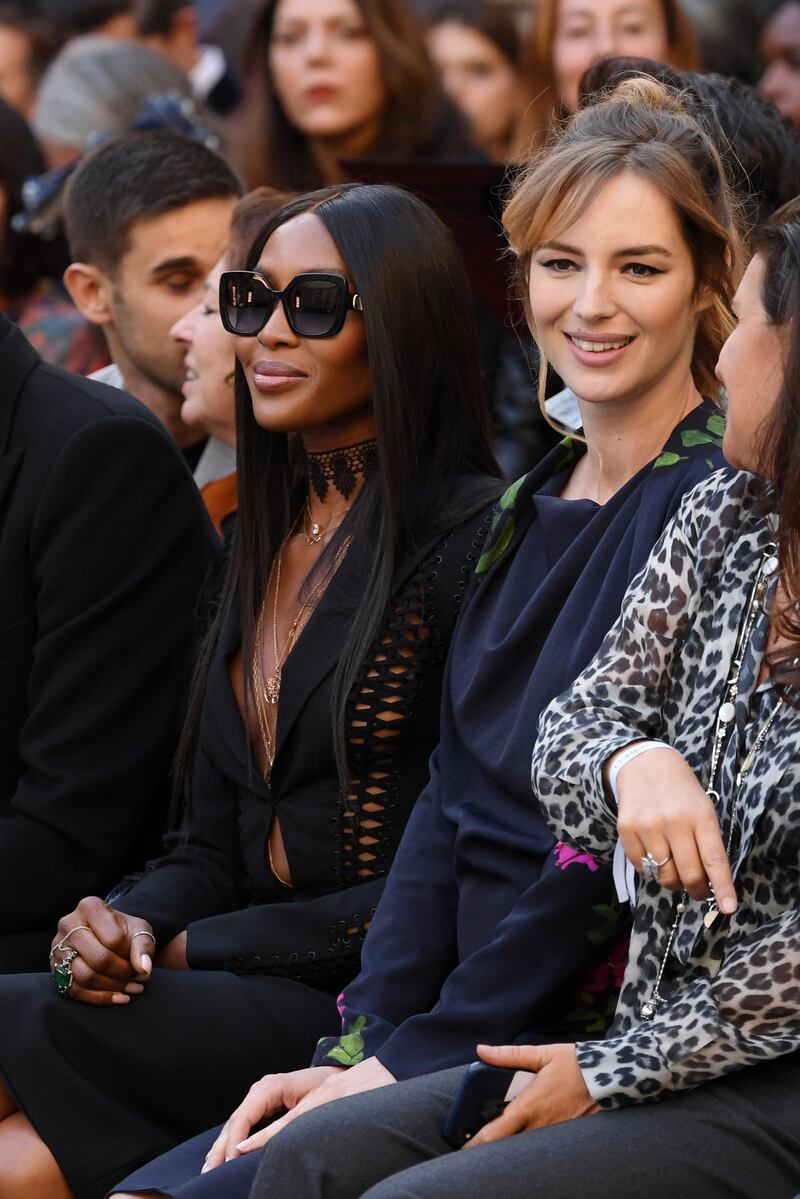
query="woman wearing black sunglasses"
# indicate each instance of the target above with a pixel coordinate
(365, 488)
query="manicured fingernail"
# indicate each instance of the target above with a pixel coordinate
(205, 1169)
(117, 998)
(147, 964)
(728, 905)
(242, 1146)
(134, 989)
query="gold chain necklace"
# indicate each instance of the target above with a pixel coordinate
(266, 692)
(313, 531)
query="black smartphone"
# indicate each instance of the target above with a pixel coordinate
(482, 1097)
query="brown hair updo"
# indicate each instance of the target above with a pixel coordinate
(642, 127)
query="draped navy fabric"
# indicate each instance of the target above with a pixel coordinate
(483, 933)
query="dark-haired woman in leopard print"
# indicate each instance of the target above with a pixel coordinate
(705, 658)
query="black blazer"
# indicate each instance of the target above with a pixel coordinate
(104, 545)
(217, 881)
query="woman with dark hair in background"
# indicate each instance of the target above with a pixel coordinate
(567, 36)
(332, 79)
(31, 267)
(477, 50)
(364, 496)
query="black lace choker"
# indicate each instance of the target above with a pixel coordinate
(341, 467)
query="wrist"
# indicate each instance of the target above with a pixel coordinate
(623, 757)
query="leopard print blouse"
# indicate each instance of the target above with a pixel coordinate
(732, 991)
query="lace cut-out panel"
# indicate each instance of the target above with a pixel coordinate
(380, 711)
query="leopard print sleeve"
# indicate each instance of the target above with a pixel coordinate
(620, 695)
(746, 1013)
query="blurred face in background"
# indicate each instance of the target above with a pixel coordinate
(326, 71)
(587, 30)
(780, 49)
(480, 81)
(208, 398)
(17, 83)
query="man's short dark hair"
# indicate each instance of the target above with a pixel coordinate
(155, 17)
(138, 177)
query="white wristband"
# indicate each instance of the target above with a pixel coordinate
(627, 755)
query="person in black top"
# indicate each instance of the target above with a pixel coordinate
(366, 486)
(104, 547)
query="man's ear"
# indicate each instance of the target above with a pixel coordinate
(91, 292)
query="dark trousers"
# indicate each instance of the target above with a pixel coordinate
(738, 1138)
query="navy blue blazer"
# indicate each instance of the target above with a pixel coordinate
(483, 933)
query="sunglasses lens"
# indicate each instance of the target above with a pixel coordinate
(247, 303)
(316, 307)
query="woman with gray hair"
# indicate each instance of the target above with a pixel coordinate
(97, 85)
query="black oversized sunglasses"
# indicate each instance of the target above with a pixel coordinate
(315, 303)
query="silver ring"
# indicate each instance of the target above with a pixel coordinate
(651, 868)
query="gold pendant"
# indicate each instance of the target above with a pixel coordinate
(272, 687)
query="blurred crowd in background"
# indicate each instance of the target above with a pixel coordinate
(309, 92)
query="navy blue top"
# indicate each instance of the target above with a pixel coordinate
(483, 933)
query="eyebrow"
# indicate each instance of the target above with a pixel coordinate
(629, 252)
(174, 264)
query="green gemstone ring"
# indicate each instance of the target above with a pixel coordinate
(62, 972)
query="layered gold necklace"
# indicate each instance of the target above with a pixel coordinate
(266, 691)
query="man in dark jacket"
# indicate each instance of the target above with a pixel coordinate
(104, 547)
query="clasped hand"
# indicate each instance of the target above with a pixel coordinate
(664, 812)
(294, 1093)
(113, 963)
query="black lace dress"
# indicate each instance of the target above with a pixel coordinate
(110, 1088)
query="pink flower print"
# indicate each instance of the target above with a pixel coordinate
(608, 975)
(340, 1005)
(566, 856)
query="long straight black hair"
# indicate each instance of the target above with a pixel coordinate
(430, 417)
